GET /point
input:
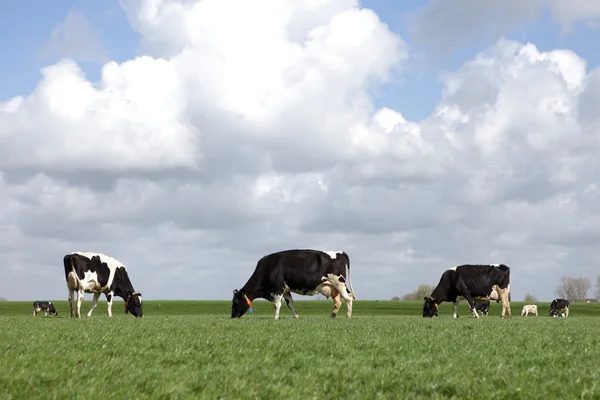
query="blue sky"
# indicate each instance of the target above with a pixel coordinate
(415, 94)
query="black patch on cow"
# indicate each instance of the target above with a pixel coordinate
(81, 264)
(109, 297)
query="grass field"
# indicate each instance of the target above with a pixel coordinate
(192, 349)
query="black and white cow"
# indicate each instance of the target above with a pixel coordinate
(306, 272)
(559, 305)
(98, 273)
(472, 282)
(45, 306)
(483, 306)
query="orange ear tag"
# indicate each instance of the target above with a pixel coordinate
(126, 310)
(249, 304)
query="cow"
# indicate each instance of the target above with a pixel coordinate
(558, 305)
(98, 273)
(45, 306)
(483, 306)
(472, 282)
(305, 272)
(529, 309)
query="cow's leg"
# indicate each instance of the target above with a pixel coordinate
(566, 310)
(109, 299)
(45, 313)
(329, 291)
(337, 304)
(94, 303)
(34, 313)
(290, 303)
(467, 296)
(339, 284)
(455, 309)
(79, 302)
(504, 299)
(277, 304)
(71, 294)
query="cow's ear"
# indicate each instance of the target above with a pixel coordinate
(129, 293)
(235, 291)
(139, 294)
(425, 298)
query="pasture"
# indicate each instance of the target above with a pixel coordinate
(192, 349)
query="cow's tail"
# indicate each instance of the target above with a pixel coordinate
(349, 279)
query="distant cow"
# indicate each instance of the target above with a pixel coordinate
(483, 306)
(45, 306)
(306, 272)
(529, 309)
(559, 305)
(98, 273)
(472, 282)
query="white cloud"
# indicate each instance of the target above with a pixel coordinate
(224, 144)
(75, 37)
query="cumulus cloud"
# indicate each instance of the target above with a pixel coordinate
(237, 136)
(75, 37)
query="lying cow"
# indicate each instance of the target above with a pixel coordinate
(45, 306)
(472, 282)
(305, 272)
(529, 309)
(559, 305)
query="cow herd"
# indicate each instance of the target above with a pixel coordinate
(305, 272)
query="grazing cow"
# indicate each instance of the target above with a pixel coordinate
(98, 273)
(305, 272)
(559, 305)
(529, 309)
(472, 282)
(483, 306)
(45, 306)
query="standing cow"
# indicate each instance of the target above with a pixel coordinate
(45, 306)
(529, 309)
(306, 272)
(98, 273)
(559, 305)
(472, 282)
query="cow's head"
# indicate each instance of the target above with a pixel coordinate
(240, 303)
(430, 307)
(52, 310)
(133, 304)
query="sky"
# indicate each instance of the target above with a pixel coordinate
(188, 139)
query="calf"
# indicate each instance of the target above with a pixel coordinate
(306, 272)
(559, 305)
(45, 306)
(98, 273)
(529, 309)
(472, 282)
(483, 306)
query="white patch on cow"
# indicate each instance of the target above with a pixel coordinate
(495, 265)
(453, 268)
(332, 254)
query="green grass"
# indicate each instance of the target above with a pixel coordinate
(192, 349)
